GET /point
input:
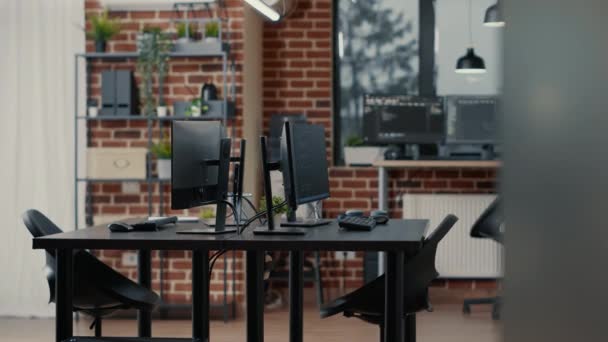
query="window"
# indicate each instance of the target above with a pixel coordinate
(376, 51)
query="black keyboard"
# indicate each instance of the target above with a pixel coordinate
(357, 223)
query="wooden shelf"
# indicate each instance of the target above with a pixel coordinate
(439, 164)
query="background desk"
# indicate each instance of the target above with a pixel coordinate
(395, 238)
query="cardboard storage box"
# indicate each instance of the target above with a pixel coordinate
(116, 163)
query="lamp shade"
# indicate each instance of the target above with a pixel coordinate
(493, 17)
(273, 10)
(470, 63)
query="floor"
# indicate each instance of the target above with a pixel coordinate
(445, 324)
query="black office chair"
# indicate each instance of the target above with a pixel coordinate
(487, 226)
(367, 303)
(98, 289)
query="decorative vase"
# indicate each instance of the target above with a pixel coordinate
(100, 46)
(93, 112)
(208, 92)
(164, 168)
(161, 111)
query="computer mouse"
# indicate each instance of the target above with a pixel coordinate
(120, 227)
(380, 216)
(354, 213)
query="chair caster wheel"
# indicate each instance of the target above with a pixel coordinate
(466, 309)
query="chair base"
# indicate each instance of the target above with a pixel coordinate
(494, 301)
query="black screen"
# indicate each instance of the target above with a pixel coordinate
(307, 169)
(193, 142)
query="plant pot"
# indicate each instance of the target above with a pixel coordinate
(363, 156)
(278, 218)
(93, 111)
(164, 168)
(161, 111)
(100, 46)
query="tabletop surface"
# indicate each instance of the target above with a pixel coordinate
(395, 235)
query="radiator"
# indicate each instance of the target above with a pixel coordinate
(459, 255)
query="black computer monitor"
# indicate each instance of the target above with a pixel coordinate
(277, 122)
(403, 120)
(305, 176)
(471, 120)
(199, 169)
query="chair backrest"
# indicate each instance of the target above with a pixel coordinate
(40, 225)
(420, 270)
(489, 222)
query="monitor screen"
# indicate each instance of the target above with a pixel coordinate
(304, 163)
(193, 142)
(403, 120)
(471, 120)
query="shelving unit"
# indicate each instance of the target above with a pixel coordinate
(213, 49)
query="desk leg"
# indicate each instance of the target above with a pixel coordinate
(144, 274)
(255, 296)
(382, 205)
(410, 328)
(296, 284)
(63, 294)
(393, 300)
(200, 295)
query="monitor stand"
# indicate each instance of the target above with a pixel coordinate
(220, 210)
(309, 223)
(270, 228)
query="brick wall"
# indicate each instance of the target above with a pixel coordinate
(298, 79)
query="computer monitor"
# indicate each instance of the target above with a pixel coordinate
(403, 120)
(305, 176)
(471, 120)
(277, 122)
(199, 169)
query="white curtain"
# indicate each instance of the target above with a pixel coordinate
(38, 40)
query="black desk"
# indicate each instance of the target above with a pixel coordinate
(395, 239)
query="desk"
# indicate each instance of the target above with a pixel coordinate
(395, 238)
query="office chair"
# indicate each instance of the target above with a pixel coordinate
(98, 289)
(367, 302)
(487, 226)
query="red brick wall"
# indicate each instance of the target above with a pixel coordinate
(298, 79)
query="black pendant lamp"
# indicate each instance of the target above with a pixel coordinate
(470, 63)
(493, 17)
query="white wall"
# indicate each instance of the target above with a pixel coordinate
(38, 39)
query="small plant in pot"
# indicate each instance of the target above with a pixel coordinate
(212, 31)
(162, 152)
(357, 154)
(207, 214)
(277, 213)
(102, 29)
(185, 32)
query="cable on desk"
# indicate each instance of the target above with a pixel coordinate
(260, 214)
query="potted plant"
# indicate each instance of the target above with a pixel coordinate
(212, 31)
(162, 152)
(207, 214)
(357, 154)
(185, 32)
(102, 29)
(154, 47)
(277, 213)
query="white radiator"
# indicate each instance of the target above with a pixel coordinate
(459, 255)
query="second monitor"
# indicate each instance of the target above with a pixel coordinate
(305, 173)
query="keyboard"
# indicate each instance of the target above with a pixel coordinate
(357, 223)
(155, 224)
